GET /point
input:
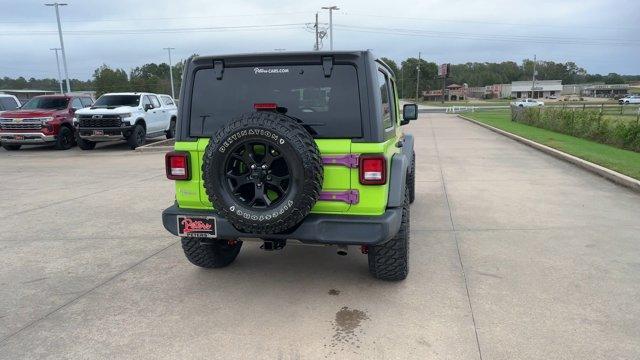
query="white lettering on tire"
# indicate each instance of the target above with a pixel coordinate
(242, 133)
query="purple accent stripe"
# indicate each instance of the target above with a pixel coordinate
(348, 196)
(350, 160)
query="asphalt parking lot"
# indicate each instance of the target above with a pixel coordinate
(514, 255)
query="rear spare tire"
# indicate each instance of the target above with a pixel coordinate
(263, 172)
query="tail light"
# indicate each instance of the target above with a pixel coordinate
(373, 170)
(177, 165)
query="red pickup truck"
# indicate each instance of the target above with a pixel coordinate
(46, 119)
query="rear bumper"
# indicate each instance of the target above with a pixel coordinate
(315, 228)
(108, 134)
(29, 138)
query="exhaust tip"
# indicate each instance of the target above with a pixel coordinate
(342, 250)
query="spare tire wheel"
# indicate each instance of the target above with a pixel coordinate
(263, 172)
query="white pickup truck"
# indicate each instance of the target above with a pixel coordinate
(133, 117)
(629, 99)
(527, 103)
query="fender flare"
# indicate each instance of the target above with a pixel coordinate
(172, 118)
(142, 122)
(400, 165)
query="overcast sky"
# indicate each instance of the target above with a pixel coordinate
(601, 36)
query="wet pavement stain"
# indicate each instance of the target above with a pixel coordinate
(347, 329)
(334, 292)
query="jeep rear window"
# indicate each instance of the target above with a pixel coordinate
(329, 105)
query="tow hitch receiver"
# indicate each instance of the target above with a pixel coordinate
(271, 245)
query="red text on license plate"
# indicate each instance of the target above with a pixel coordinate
(193, 226)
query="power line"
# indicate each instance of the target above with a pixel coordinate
(459, 22)
(490, 37)
(157, 30)
(27, 21)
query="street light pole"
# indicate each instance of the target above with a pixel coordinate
(171, 70)
(64, 54)
(418, 75)
(533, 80)
(330, 8)
(58, 64)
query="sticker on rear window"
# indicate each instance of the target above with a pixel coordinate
(258, 70)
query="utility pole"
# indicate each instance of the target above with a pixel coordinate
(330, 8)
(317, 47)
(58, 64)
(64, 55)
(444, 86)
(533, 81)
(418, 75)
(401, 81)
(170, 70)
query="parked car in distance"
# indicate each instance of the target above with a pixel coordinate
(630, 99)
(170, 105)
(130, 116)
(527, 103)
(46, 119)
(9, 102)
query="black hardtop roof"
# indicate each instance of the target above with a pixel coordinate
(288, 57)
(284, 54)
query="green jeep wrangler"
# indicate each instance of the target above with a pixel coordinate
(292, 146)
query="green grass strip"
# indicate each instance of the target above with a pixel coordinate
(623, 161)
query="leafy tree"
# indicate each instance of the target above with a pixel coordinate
(107, 80)
(409, 73)
(154, 77)
(392, 64)
(613, 78)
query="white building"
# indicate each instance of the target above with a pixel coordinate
(541, 89)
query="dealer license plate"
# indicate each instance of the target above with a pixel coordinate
(197, 226)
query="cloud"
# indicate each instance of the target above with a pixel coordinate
(449, 31)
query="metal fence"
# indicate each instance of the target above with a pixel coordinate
(622, 112)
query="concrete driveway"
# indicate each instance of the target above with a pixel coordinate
(514, 255)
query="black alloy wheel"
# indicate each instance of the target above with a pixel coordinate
(257, 175)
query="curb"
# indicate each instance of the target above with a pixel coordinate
(156, 146)
(608, 174)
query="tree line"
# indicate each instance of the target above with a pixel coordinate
(483, 74)
(154, 77)
(149, 77)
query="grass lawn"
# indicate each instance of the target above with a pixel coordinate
(490, 102)
(623, 161)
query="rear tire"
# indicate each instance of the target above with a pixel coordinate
(137, 138)
(215, 255)
(171, 133)
(85, 144)
(411, 180)
(9, 147)
(390, 261)
(65, 139)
